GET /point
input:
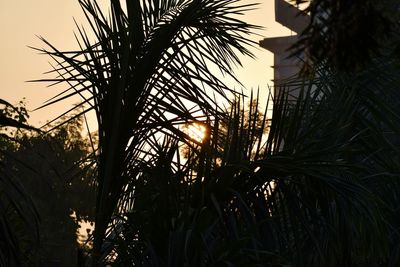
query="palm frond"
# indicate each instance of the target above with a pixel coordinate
(148, 64)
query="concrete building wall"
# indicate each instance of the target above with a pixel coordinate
(296, 20)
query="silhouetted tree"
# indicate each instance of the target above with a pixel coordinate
(56, 171)
(18, 218)
(347, 35)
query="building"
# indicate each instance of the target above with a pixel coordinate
(296, 20)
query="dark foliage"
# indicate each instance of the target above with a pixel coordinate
(347, 35)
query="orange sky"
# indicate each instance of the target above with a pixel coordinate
(22, 20)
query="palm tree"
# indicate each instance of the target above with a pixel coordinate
(147, 72)
(319, 190)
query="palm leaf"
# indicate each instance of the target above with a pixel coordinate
(142, 62)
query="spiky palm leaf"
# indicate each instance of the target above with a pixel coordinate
(308, 194)
(319, 191)
(326, 182)
(149, 64)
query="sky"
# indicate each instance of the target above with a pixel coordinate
(24, 20)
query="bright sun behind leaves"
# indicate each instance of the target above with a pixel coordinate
(197, 131)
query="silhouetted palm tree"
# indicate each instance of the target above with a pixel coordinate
(148, 71)
(319, 190)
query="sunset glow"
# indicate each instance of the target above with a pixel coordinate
(197, 131)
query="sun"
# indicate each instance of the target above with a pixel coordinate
(197, 131)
